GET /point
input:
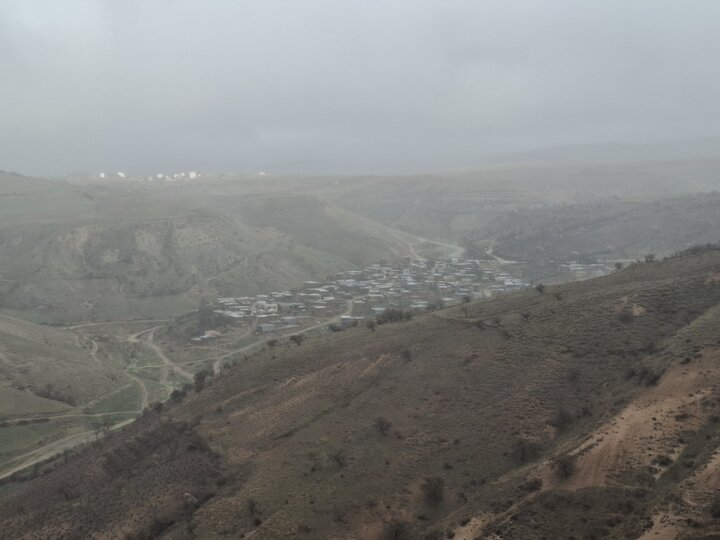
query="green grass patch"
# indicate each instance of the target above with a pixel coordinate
(14, 402)
(126, 399)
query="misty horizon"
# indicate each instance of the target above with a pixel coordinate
(323, 88)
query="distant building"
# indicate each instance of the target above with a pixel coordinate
(346, 321)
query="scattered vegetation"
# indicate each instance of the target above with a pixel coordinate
(394, 315)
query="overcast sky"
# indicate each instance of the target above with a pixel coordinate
(313, 86)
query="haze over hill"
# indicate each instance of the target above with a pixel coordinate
(612, 229)
(69, 254)
(671, 150)
(398, 270)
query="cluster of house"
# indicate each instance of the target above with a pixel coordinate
(160, 177)
(282, 310)
(418, 284)
(356, 295)
(580, 271)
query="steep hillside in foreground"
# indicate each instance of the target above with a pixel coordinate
(590, 410)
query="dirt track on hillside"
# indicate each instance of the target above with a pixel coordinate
(647, 427)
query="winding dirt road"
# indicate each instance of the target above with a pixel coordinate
(53, 449)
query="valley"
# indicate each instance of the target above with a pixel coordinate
(399, 270)
(297, 304)
(608, 402)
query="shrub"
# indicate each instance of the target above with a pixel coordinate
(564, 465)
(434, 490)
(653, 377)
(531, 485)
(715, 508)
(382, 424)
(200, 378)
(394, 315)
(178, 395)
(397, 530)
(525, 449)
(563, 419)
(339, 457)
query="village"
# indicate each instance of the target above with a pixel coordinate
(356, 296)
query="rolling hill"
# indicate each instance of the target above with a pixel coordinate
(135, 256)
(45, 370)
(112, 253)
(589, 407)
(453, 205)
(611, 229)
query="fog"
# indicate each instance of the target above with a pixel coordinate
(325, 86)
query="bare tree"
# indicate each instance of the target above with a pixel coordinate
(97, 429)
(564, 465)
(526, 449)
(382, 424)
(339, 457)
(199, 381)
(252, 506)
(434, 490)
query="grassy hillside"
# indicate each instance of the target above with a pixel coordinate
(589, 408)
(319, 225)
(47, 374)
(30, 200)
(609, 229)
(114, 253)
(45, 370)
(120, 271)
(454, 205)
